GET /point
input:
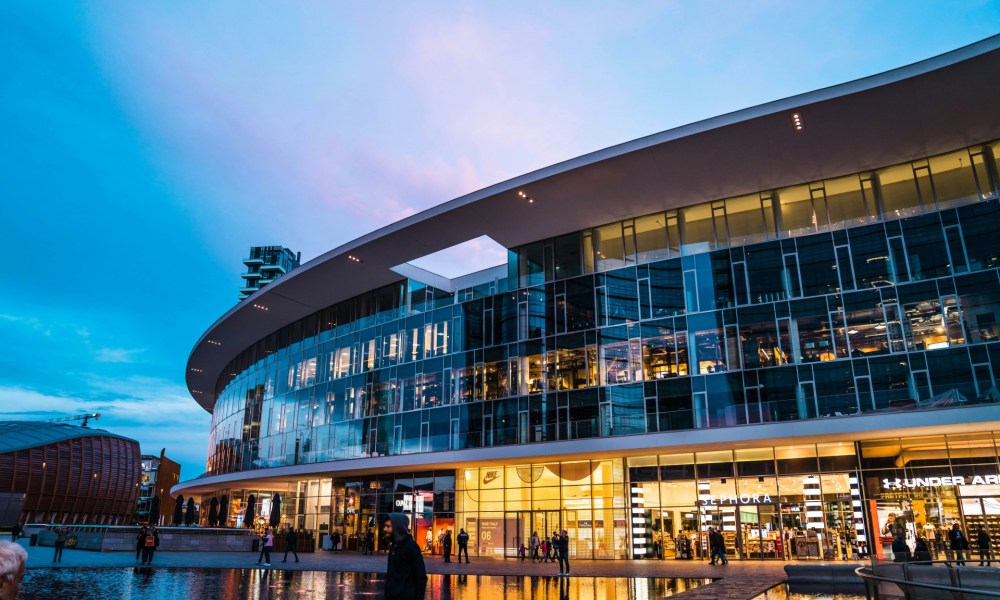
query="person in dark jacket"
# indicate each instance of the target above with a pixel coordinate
(291, 544)
(140, 542)
(563, 547)
(922, 552)
(900, 551)
(718, 545)
(61, 535)
(958, 543)
(985, 548)
(149, 545)
(405, 575)
(463, 545)
(446, 546)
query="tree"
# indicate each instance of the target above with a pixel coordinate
(189, 515)
(213, 513)
(179, 511)
(251, 511)
(224, 511)
(275, 519)
(154, 511)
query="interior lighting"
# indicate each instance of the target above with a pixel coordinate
(852, 331)
(214, 343)
(353, 258)
(196, 370)
(525, 196)
(260, 307)
(797, 122)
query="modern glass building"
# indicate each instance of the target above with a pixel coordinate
(783, 322)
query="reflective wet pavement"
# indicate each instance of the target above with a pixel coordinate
(156, 583)
(740, 580)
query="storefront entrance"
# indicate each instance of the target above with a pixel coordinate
(521, 524)
(752, 531)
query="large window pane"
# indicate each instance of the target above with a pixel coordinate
(982, 244)
(746, 220)
(899, 191)
(871, 256)
(797, 214)
(846, 202)
(697, 229)
(979, 297)
(924, 247)
(817, 265)
(954, 181)
(609, 247)
(651, 238)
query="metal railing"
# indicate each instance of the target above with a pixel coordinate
(929, 580)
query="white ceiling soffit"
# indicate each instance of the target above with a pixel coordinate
(470, 263)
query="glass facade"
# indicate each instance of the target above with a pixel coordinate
(877, 292)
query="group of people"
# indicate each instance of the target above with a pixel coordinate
(958, 546)
(554, 549)
(146, 543)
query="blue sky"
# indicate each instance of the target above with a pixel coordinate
(144, 147)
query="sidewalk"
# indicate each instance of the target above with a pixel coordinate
(738, 579)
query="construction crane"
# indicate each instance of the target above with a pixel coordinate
(84, 418)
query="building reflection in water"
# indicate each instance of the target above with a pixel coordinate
(157, 583)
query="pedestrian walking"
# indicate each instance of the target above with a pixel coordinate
(533, 544)
(718, 545)
(563, 553)
(544, 549)
(149, 545)
(140, 541)
(268, 543)
(446, 546)
(463, 545)
(260, 545)
(405, 574)
(61, 534)
(554, 546)
(985, 546)
(959, 544)
(291, 544)
(369, 541)
(12, 559)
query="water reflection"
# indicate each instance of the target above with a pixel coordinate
(782, 592)
(158, 583)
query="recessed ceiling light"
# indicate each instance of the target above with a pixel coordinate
(797, 122)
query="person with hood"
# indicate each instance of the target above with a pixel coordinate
(405, 575)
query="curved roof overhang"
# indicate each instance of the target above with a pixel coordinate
(937, 105)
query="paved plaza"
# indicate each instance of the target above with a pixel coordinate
(737, 580)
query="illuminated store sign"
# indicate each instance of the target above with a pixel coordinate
(734, 499)
(931, 482)
(408, 500)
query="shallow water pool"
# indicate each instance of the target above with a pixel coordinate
(161, 583)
